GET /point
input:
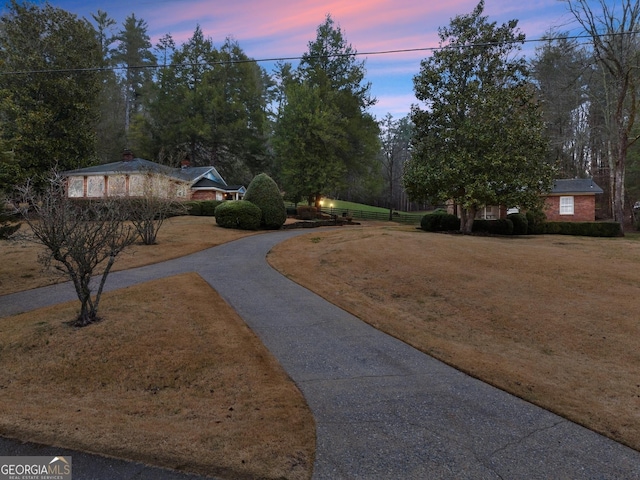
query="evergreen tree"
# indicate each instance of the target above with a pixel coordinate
(395, 140)
(310, 141)
(332, 79)
(481, 140)
(110, 130)
(50, 106)
(104, 28)
(560, 72)
(134, 54)
(209, 104)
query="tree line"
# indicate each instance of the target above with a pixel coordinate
(75, 92)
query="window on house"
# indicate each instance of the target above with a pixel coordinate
(76, 186)
(566, 205)
(95, 186)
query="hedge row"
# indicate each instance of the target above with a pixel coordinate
(238, 214)
(519, 224)
(440, 221)
(503, 226)
(584, 229)
(204, 208)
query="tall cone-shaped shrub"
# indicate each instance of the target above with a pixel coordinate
(264, 193)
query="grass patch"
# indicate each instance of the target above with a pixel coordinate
(552, 322)
(148, 384)
(195, 390)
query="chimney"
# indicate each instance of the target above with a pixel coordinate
(185, 163)
(127, 155)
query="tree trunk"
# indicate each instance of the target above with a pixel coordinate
(88, 312)
(466, 223)
(617, 166)
(618, 192)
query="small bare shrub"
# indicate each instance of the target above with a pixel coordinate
(148, 213)
(82, 238)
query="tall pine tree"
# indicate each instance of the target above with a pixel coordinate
(50, 106)
(331, 73)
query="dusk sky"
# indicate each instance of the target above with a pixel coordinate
(269, 29)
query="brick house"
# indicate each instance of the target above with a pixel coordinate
(134, 177)
(572, 200)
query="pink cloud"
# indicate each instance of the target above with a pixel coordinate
(285, 27)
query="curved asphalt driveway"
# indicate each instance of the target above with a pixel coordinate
(383, 410)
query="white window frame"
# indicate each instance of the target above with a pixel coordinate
(117, 186)
(75, 187)
(137, 185)
(567, 205)
(95, 186)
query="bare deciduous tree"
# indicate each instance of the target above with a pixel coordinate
(613, 29)
(395, 140)
(82, 238)
(148, 213)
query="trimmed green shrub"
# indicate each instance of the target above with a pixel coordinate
(480, 226)
(535, 222)
(265, 194)
(239, 214)
(520, 223)
(584, 229)
(503, 226)
(203, 207)
(208, 207)
(194, 208)
(439, 222)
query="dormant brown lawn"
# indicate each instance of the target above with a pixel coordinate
(171, 376)
(552, 319)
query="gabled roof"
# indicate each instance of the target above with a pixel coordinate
(134, 165)
(187, 174)
(207, 183)
(576, 186)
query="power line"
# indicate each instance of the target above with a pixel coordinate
(284, 59)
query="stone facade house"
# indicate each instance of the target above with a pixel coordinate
(136, 177)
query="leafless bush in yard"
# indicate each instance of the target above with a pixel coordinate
(82, 238)
(147, 213)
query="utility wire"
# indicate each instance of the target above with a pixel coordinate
(282, 59)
